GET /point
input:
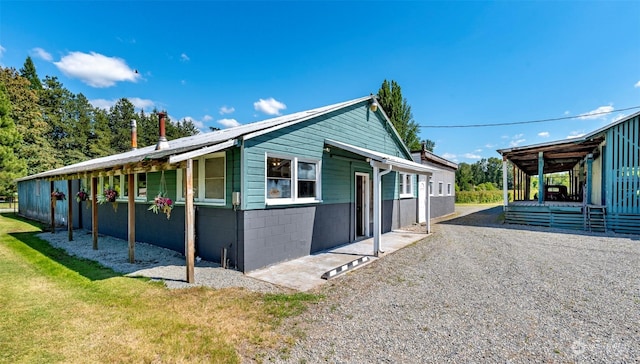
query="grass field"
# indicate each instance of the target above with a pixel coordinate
(56, 308)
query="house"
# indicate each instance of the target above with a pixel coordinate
(249, 196)
(604, 180)
(440, 185)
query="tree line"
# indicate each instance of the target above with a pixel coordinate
(485, 174)
(44, 126)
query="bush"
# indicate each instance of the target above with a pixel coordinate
(480, 196)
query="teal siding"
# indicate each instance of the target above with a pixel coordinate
(354, 125)
(154, 184)
(622, 180)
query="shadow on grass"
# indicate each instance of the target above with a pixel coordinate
(87, 268)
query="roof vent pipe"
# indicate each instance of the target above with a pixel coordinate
(134, 135)
(163, 143)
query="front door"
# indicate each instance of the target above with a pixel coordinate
(362, 199)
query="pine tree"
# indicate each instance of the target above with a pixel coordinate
(28, 71)
(120, 116)
(399, 112)
(11, 167)
(36, 150)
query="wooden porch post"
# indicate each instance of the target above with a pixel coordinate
(505, 186)
(189, 222)
(94, 212)
(540, 178)
(53, 208)
(69, 211)
(587, 192)
(132, 217)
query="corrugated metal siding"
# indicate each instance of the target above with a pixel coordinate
(354, 125)
(623, 177)
(35, 200)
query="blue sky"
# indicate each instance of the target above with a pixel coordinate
(458, 63)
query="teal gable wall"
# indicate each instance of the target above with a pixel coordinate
(354, 125)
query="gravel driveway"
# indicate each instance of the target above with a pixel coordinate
(479, 291)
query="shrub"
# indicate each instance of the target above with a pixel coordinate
(480, 196)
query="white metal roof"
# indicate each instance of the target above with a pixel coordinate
(199, 144)
(397, 163)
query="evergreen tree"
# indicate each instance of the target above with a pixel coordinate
(36, 150)
(99, 139)
(28, 71)
(11, 167)
(399, 112)
(120, 116)
(57, 109)
(429, 145)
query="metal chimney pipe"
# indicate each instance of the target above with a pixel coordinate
(163, 143)
(134, 135)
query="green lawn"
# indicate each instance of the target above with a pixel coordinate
(56, 308)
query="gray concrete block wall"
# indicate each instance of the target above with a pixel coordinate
(404, 212)
(276, 235)
(333, 226)
(442, 205)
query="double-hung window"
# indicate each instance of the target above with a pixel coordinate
(209, 180)
(120, 183)
(449, 189)
(430, 187)
(292, 180)
(406, 185)
(440, 188)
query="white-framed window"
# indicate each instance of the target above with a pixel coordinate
(209, 180)
(440, 185)
(449, 189)
(120, 183)
(292, 180)
(406, 185)
(430, 187)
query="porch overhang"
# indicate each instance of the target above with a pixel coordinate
(384, 161)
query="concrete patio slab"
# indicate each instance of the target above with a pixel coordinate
(305, 273)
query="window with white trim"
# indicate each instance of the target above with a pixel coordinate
(406, 185)
(120, 183)
(440, 188)
(291, 180)
(209, 180)
(430, 187)
(449, 189)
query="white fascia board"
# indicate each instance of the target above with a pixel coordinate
(202, 151)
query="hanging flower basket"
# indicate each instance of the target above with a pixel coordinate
(109, 195)
(82, 195)
(162, 204)
(57, 195)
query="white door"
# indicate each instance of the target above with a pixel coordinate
(422, 199)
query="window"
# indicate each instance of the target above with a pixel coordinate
(120, 183)
(292, 180)
(430, 187)
(209, 180)
(449, 189)
(406, 185)
(440, 188)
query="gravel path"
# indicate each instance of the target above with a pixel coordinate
(153, 262)
(479, 291)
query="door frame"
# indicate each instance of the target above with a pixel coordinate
(366, 205)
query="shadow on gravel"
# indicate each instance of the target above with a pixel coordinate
(494, 217)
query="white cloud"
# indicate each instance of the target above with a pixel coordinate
(543, 134)
(96, 70)
(198, 124)
(619, 117)
(42, 54)
(490, 146)
(207, 118)
(184, 57)
(448, 156)
(477, 151)
(516, 142)
(567, 112)
(518, 136)
(637, 84)
(269, 106)
(597, 113)
(575, 134)
(228, 123)
(227, 110)
(471, 156)
(2, 50)
(136, 101)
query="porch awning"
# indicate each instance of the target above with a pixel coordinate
(384, 161)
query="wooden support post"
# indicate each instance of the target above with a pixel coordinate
(132, 217)
(69, 211)
(53, 208)
(540, 178)
(505, 184)
(94, 212)
(587, 193)
(189, 217)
